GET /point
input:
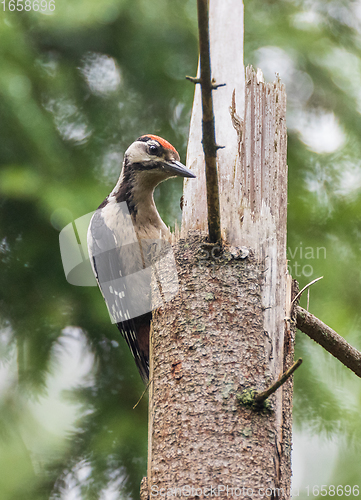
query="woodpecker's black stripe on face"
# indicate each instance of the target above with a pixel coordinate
(150, 165)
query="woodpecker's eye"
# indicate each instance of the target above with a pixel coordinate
(153, 149)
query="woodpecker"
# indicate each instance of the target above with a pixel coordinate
(123, 240)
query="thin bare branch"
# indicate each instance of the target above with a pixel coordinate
(329, 339)
(145, 390)
(305, 288)
(193, 79)
(262, 396)
(208, 130)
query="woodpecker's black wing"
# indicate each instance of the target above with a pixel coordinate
(118, 265)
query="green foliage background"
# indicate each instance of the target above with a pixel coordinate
(76, 88)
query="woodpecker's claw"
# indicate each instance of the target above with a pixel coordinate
(177, 168)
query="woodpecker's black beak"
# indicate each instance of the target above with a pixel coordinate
(177, 168)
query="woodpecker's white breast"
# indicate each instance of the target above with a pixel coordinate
(146, 220)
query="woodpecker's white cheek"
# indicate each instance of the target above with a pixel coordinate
(138, 157)
(136, 153)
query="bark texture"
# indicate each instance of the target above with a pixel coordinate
(209, 344)
(228, 331)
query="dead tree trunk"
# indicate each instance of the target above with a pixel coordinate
(226, 333)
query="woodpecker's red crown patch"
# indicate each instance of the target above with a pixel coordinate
(162, 142)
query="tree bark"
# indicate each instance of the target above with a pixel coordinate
(228, 330)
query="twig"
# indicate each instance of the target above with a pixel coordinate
(305, 288)
(141, 397)
(216, 86)
(193, 79)
(329, 339)
(208, 131)
(262, 396)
